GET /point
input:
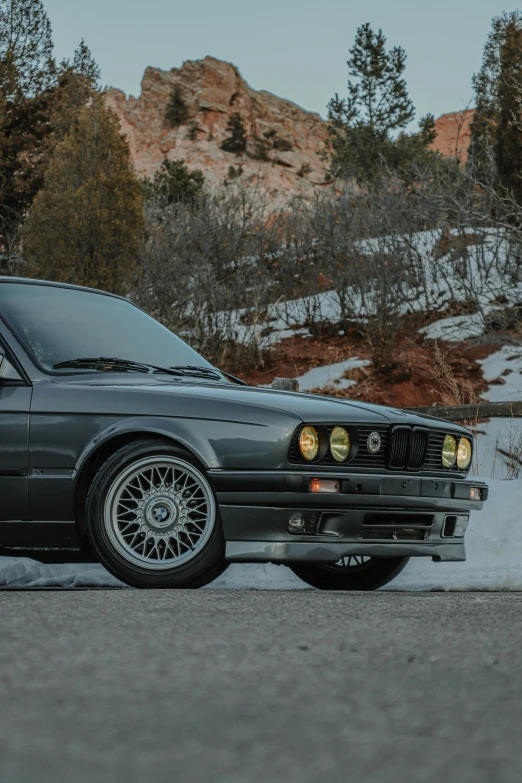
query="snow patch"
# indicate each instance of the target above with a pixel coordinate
(23, 572)
(455, 329)
(330, 375)
(504, 434)
(494, 549)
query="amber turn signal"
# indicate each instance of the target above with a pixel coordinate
(324, 485)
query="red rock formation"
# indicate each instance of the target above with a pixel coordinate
(212, 91)
(453, 134)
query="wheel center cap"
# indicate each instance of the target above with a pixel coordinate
(161, 513)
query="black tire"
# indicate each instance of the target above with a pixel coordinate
(110, 546)
(369, 575)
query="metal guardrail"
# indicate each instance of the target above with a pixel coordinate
(472, 412)
(481, 410)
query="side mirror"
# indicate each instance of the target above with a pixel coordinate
(286, 384)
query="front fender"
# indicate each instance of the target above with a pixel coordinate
(179, 430)
(216, 444)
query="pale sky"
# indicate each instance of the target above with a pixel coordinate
(294, 48)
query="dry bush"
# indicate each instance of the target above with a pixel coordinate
(513, 454)
(355, 260)
(202, 275)
(451, 390)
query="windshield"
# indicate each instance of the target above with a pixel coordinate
(61, 324)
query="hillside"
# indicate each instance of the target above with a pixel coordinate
(212, 91)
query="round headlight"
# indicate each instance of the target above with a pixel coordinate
(464, 454)
(309, 443)
(449, 452)
(339, 444)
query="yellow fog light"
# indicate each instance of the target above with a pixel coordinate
(449, 452)
(340, 444)
(464, 454)
(309, 443)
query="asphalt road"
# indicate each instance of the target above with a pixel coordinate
(168, 687)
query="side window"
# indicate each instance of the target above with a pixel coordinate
(7, 371)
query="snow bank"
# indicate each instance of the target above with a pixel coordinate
(479, 274)
(330, 375)
(494, 545)
(23, 572)
(494, 549)
(505, 434)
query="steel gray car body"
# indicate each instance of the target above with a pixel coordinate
(56, 428)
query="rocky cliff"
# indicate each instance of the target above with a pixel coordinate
(284, 141)
(453, 134)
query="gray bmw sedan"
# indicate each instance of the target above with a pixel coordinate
(120, 441)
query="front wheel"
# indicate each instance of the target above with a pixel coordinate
(153, 518)
(354, 572)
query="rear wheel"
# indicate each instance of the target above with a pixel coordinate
(153, 518)
(353, 572)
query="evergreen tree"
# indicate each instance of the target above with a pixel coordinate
(176, 112)
(237, 141)
(493, 85)
(486, 81)
(174, 184)
(377, 95)
(85, 223)
(77, 84)
(26, 43)
(84, 65)
(508, 146)
(27, 74)
(363, 126)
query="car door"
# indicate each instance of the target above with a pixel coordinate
(15, 402)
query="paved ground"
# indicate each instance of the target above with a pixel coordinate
(166, 687)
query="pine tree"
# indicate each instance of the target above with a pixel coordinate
(84, 65)
(508, 133)
(176, 112)
(490, 88)
(377, 95)
(27, 74)
(85, 223)
(77, 84)
(363, 126)
(26, 43)
(174, 184)
(237, 141)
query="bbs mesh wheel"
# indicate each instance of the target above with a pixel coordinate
(153, 518)
(353, 572)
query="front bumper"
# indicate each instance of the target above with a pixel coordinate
(373, 515)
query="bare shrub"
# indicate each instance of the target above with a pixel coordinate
(202, 273)
(227, 269)
(451, 390)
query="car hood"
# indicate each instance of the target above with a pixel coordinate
(310, 408)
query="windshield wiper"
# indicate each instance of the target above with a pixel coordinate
(197, 369)
(209, 372)
(108, 363)
(233, 378)
(113, 363)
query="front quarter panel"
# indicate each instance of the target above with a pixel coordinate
(69, 422)
(68, 425)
